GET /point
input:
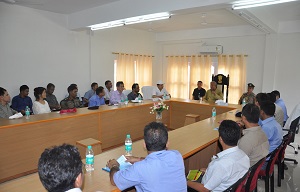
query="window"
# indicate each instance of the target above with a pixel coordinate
(185, 71)
(133, 69)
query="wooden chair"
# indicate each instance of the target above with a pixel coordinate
(222, 80)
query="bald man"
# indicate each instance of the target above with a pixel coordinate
(213, 93)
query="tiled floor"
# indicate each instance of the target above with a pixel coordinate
(291, 180)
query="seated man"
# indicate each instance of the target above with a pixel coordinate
(254, 142)
(160, 91)
(117, 96)
(78, 94)
(281, 103)
(213, 93)
(90, 93)
(60, 169)
(5, 110)
(270, 126)
(135, 92)
(98, 98)
(279, 115)
(162, 170)
(50, 97)
(199, 91)
(22, 100)
(249, 96)
(108, 90)
(228, 166)
(72, 100)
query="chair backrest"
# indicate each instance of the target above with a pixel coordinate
(222, 80)
(239, 185)
(273, 157)
(147, 92)
(286, 140)
(293, 127)
(253, 176)
(126, 92)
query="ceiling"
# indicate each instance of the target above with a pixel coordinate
(185, 19)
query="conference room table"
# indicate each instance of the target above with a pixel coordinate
(196, 142)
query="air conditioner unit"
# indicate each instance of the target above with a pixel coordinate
(211, 49)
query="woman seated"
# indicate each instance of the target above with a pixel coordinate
(40, 105)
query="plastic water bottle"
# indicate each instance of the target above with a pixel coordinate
(214, 113)
(128, 146)
(27, 112)
(164, 96)
(244, 102)
(89, 159)
(139, 98)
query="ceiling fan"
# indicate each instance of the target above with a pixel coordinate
(204, 22)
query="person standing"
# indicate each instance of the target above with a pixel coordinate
(199, 91)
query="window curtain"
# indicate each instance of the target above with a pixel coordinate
(125, 70)
(144, 70)
(235, 66)
(200, 70)
(177, 76)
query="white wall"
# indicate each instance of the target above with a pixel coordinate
(37, 48)
(287, 69)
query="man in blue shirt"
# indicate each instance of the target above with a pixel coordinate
(98, 98)
(281, 103)
(269, 125)
(22, 100)
(90, 93)
(162, 170)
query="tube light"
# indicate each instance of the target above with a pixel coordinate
(131, 20)
(256, 3)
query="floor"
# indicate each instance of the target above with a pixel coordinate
(291, 180)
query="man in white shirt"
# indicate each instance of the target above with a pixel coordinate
(228, 166)
(108, 89)
(160, 91)
(60, 169)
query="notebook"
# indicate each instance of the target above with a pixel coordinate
(122, 162)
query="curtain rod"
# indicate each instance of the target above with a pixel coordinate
(206, 55)
(131, 54)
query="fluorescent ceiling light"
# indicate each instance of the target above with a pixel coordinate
(256, 3)
(131, 20)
